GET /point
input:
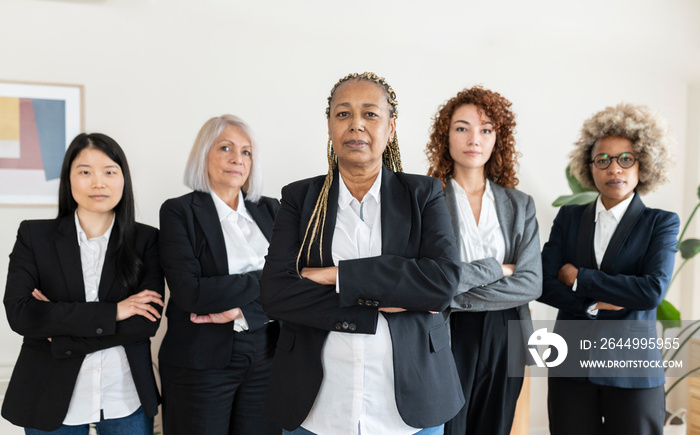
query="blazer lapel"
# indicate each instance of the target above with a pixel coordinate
(506, 218)
(68, 252)
(623, 229)
(396, 212)
(205, 214)
(451, 201)
(584, 244)
(109, 272)
(261, 218)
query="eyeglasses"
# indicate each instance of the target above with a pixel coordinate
(603, 161)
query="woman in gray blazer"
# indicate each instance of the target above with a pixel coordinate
(472, 151)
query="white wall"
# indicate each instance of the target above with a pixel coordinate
(155, 70)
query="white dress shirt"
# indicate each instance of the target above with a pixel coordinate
(485, 239)
(606, 222)
(104, 381)
(246, 245)
(357, 393)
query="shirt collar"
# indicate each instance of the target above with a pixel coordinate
(488, 191)
(345, 197)
(617, 211)
(224, 211)
(82, 237)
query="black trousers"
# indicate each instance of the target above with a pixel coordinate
(228, 401)
(480, 348)
(579, 407)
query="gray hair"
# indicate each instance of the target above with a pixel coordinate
(196, 171)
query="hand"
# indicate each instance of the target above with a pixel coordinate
(140, 304)
(392, 310)
(568, 274)
(508, 269)
(39, 296)
(607, 306)
(224, 317)
(321, 275)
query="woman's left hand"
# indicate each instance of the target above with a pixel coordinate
(224, 317)
(568, 274)
(321, 275)
(39, 296)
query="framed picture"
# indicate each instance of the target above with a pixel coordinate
(37, 123)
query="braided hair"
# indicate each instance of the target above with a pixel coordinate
(391, 158)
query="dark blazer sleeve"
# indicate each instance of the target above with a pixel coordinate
(426, 282)
(33, 318)
(555, 254)
(181, 250)
(513, 291)
(646, 290)
(288, 297)
(133, 329)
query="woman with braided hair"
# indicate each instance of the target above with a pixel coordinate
(361, 263)
(472, 151)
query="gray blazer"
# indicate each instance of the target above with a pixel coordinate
(482, 286)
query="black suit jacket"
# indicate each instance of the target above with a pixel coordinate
(634, 274)
(47, 256)
(193, 256)
(418, 270)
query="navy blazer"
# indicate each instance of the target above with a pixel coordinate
(418, 270)
(193, 256)
(635, 272)
(47, 256)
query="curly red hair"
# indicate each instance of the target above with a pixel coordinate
(504, 159)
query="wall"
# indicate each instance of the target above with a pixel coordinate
(155, 70)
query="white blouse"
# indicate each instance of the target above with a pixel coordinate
(485, 239)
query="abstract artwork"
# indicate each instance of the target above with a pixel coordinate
(37, 122)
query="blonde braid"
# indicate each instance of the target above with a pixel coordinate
(391, 159)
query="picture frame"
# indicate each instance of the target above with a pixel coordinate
(37, 123)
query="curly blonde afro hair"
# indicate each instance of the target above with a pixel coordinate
(646, 130)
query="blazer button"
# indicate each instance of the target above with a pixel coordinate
(368, 303)
(99, 331)
(338, 326)
(68, 353)
(353, 327)
(345, 325)
(375, 303)
(360, 301)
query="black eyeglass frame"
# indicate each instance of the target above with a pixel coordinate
(617, 157)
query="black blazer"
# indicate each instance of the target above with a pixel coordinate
(46, 256)
(634, 274)
(193, 256)
(418, 270)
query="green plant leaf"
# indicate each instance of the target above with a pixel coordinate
(699, 192)
(689, 248)
(668, 315)
(574, 185)
(576, 198)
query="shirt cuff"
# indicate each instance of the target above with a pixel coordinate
(241, 324)
(573, 287)
(337, 281)
(592, 310)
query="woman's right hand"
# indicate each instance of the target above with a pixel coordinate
(508, 269)
(140, 304)
(607, 306)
